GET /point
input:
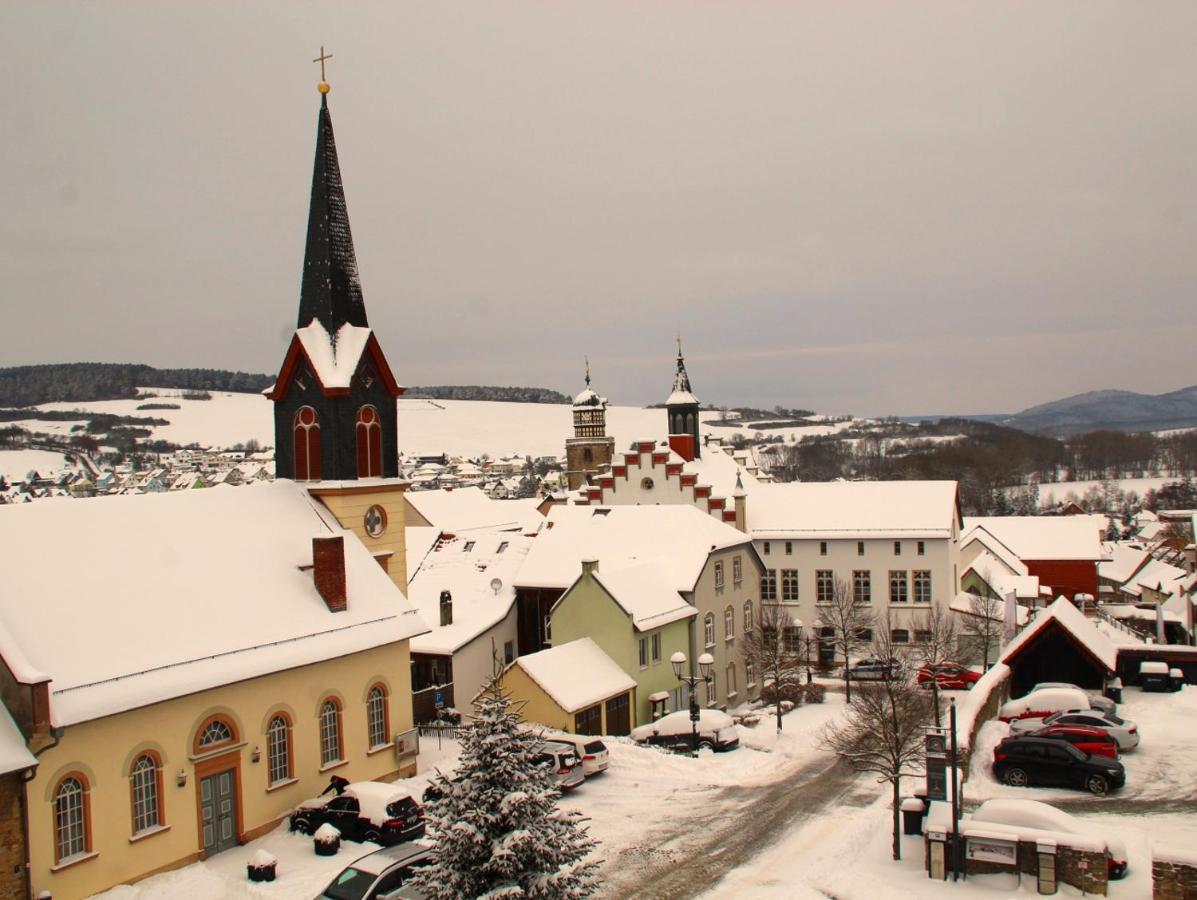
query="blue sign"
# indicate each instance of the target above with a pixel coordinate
(440, 699)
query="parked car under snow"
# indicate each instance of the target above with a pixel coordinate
(364, 811)
(716, 731)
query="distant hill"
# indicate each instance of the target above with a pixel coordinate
(1115, 410)
(30, 385)
(80, 382)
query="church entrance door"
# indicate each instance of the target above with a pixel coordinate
(218, 811)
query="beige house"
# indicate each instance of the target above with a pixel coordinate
(575, 688)
(203, 661)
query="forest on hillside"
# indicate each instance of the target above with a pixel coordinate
(993, 464)
(81, 382)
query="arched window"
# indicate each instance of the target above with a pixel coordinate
(213, 734)
(330, 732)
(729, 623)
(376, 716)
(278, 749)
(748, 623)
(708, 629)
(369, 443)
(147, 792)
(72, 830)
(307, 444)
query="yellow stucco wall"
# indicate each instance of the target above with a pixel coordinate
(349, 505)
(542, 709)
(104, 750)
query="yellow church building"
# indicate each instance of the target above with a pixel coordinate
(185, 667)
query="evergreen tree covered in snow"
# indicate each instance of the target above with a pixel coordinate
(496, 829)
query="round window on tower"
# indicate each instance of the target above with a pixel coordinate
(376, 521)
(646, 484)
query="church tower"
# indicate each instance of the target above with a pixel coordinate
(334, 399)
(682, 409)
(589, 451)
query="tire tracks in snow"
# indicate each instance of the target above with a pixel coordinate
(693, 854)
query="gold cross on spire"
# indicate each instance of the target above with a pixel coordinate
(323, 86)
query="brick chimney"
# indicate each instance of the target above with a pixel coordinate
(446, 608)
(328, 563)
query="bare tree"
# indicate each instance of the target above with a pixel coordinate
(771, 647)
(849, 622)
(882, 730)
(937, 640)
(983, 622)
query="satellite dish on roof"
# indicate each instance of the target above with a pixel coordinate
(496, 584)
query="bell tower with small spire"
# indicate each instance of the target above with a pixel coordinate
(335, 422)
(589, 451)
(682, 410)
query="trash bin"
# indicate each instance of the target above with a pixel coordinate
(912, 815)
(1114, 689)
(1177, 677)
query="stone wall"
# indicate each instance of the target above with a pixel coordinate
(12, 838)
(1084, 869)
(1173, 876)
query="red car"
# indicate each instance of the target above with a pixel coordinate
(949, 676)
(1087, 740)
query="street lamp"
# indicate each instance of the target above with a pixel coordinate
(705, 663)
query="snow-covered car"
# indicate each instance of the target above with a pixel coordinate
(564, 762)
(363, 811)
(716, 731)
(1038, 704)
(1124, 731)
(594, 753)
(378, 874)
(874, 669)
(1041, 816)
(1096, 701)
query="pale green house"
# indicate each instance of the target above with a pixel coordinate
(638, 620)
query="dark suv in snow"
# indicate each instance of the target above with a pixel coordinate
(1024, 760)
(365, 811)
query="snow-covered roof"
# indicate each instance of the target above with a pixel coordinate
(465, 509)
(14, 754)
(677, 539)
(1125, 559)
(718, 469)
(576, 675)
(1160, 576)
(333, 357)
(216, 572)
(645, 593)
(418, 541)
(467, 575)
(1065, 613)
(588, 399)
(681, 397)
(995, 573)
(986, 543)
(846, 509)
(1046, 537)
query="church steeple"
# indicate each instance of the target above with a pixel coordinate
(331, 290)
(682, 410)
(334, 400)
(590, 450)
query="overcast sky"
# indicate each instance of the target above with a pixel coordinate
(854, 207)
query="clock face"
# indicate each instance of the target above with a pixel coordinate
(376, 521)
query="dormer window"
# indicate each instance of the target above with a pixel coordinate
(468, 548)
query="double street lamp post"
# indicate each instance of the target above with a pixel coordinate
(706, 662)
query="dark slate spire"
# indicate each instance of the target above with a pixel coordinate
(331, 291)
